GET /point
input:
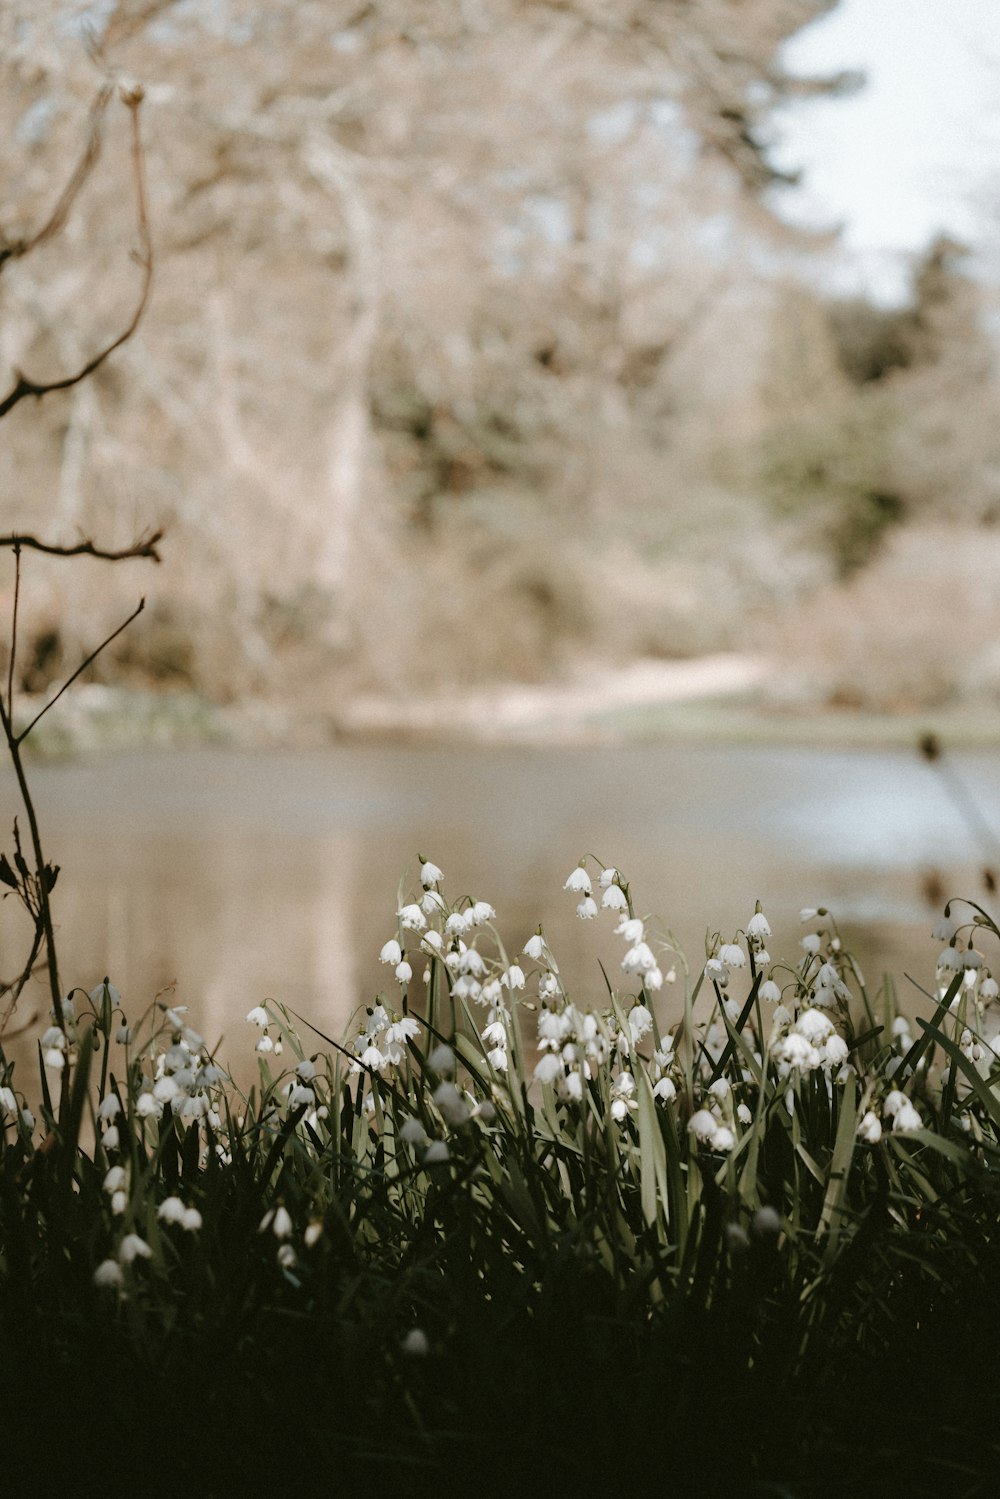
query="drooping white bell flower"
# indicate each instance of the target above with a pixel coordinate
(579, 882)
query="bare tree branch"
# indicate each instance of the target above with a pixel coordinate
(146, 546)
(57, 219)
(24, 386)
(20, 738)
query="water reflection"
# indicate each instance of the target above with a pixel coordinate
(238, 877)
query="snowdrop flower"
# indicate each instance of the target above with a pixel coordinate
(766, 1223)
(639, 959)
(906, 1118)
(146, 1106)
(814, 1025)
(720, 1089)
(411, 918)
(758, 928)
(436, 1153)
(415, 1343)
(512, 977)
(432, 942)
(404, 972)
(456, 924)
(264, 1045)
(614, 899)
(640, 1023)
(811, 944)
(630, 929)
(723, 1139)
(133, 1248)
(114, 1180)
(391, 953)
(108, 1275)
(257, 1016)
(8, 1103)
(716, 972)
(171, 1210)
(945, 929)
(413, 1132)
(949, 960)
(835, 1051)
(119, 1202)
(191, 1221)
(430, 874)
(534, 947)
(278, 1220)
(286, 1257)
(732, 955)
(587, 909)
(549, 1068)
(703, 1125)
(110, 1137)
(769, 991)
(744, 1114)
(481, 912)
(579, 882)
(665, 1090)
(313, 1233)
(870, 1128)
(894, 1102)
(653, 979)
(442, 1060)
(431, 903)
(608, 877)
(988, 990)
(109, 1108)
(452, 1106)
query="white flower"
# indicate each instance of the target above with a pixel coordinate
(8, 1103)
(703, 1125)
(640, 1022)
(286, 1257)
(870, 1128)
(653, 979)
(631, 929)
(945, 929)
(497, 1059)
(412, 1131)
(306, 1070)
(766, 1223)
(639, 959)
(587, 909)
(280, 1222)
(949, 960)
(812, 943)
(769, 991)
(54, 1058)
(133, 1248)
(431, 942)
(442, 1060)
(257, 1016)
(814, 1025)
(191, 1220)
(110, 1137)
(758, 927)
(720, 1089)
(732, 955)
(579, 881)
(146, 1106)
(119, 1202)
(171, 1210)
(456, 924)
(534, 947)
(513, 977)
(665, 1089)
(430, 874)
(114, 1180)
(988, 989)
(835, 1051)
(614, 899)
(608, 877)
(906, 1118)
(453, 1107)
(723, 1139)
(313, 1233)
(432, 903)
(391, 952)
(549, 1068)
(436, 1152)
(744, 1113)
(415, 1343)
(482, 911)
(716, 972)
(110, 1107)
(894, 1102)
(411, 918)
(108, 1275)
(404, 972)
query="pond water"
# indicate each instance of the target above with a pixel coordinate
(242, 876)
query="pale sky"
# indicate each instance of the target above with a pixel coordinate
(916, 151)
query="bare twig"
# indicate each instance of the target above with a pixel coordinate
(20, 738)
(44, 914)
(57, 219)
(24, 386)
(13, 631)
(146, 546)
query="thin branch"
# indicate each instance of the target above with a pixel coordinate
(20, 738)
(24, 385)
(13, 631)
(57, 219)
(146, 546)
